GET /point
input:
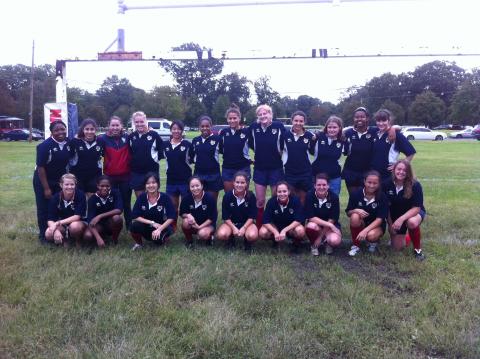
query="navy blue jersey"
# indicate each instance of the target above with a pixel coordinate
(266, 143)
(386, 153)
(358, 148)
(99, 205)
(201, 211)
(87, 158)
(146, 150)
(179, 158)
(206, 151)
(397, 204)
(236, 210)
(59, 209)
(376, 208)
(326, 156)
(234, 148)
(295, 157)
(283, 216)
(158, 212)
(327, 209)
(54, 157)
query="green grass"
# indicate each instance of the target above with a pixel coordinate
(213, 303)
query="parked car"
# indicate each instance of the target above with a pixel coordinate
(466, 133)
(450, 127)
(217, 128)
(476, 131)
(422, 133)
(21, 134)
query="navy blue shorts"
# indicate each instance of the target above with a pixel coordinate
(211, 183)
(383, 225)
(137, 181)
(353, 178)
(267, 177)
(146, 231)
(228, 173)
(177, 190)
(301, 182)
(403, 229)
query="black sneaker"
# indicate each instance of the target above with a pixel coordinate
(419, 256)
(189, 244)
(209, 242)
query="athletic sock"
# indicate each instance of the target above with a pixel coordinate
(259, 220)
(355, 231)
(408, 239)
(116, 234)
(312, 235)
(137, 238)
(188, 234)
(416, 236)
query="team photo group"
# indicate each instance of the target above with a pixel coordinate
(83, 185)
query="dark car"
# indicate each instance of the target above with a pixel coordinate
(476, 132)
(21, 134)
(217, 128)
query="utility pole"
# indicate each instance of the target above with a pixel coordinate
(30, 120)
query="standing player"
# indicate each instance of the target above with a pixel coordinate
(53, 155)
(406, 210)
(368, 211)
(66, 210)
(207, 163)
(265, 140)
(86, 163)
(152, 214)
(239, 209)
(322, 210)
(179, 155)
(327, 152)
(146, 148)
(116, 162)
(296, 145)
(103, 214)
(385, 151)
(199, 213)
(234, 148)
(283, 217)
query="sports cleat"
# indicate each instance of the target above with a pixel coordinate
(137, 247)
(419, 256)
(314, 251)
(354, 250)
(328, 249)
(372, 247)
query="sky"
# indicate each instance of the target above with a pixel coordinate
(68, 29)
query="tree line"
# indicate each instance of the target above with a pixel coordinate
(434, 93)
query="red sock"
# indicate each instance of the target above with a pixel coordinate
(116, 233)
(355, 231)
(188, 234)
(259, 220)
(312, 235)
(408, 239)
(137, 238)
(174, 225)
(415, 235)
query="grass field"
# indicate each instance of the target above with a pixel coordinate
(213, 303)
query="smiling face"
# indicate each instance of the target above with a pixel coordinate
(264, 117)
(400, 172)
(140, 123)
(282, 193)
(240, 185)
(233, 120)
(360, 121)
(205, 128)
(298, 123)
(89, 132)
(115, 128)
(321, 187)
(333, 130)
(103, 188)
(196, 187)
(59, 132)
(382, 123)
(372, 184)
(68, 187)
(151, 186)
(176, 132)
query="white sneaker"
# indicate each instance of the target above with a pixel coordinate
(136, 246)
(353, 251)
(328, 249)
(314, 251)
(372, 247)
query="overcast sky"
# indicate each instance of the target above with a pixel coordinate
(67, 29)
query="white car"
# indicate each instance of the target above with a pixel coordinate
(466, 133)
(422, 133)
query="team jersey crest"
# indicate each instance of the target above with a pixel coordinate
(212, 142)
(305, 140)
(374, 205)
(242, 135)
(274, 131)
(182, 148)
(149, 138)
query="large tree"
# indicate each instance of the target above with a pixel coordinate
(427, 109)
(465, 107)
(236, 88)
(195, 77)
(114, 93)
